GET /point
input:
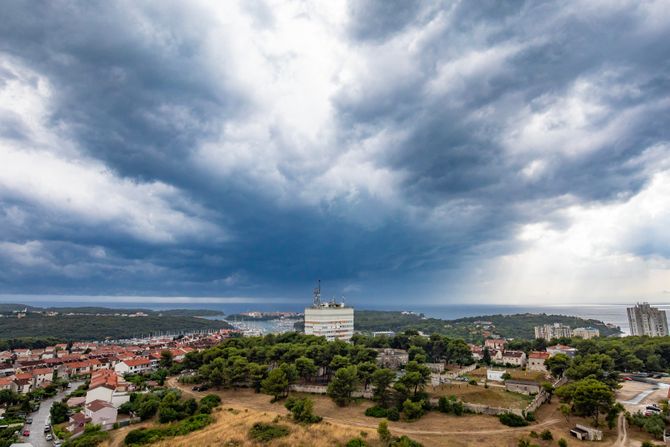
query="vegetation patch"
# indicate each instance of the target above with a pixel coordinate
(512, 420)
(267, 432)
(93, 435)
(142, 436)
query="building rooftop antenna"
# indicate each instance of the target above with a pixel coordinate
(317, 295)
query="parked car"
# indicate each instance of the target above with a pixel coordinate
(47, 428)
(26, 432)
(200, 388)
(29, 420)
(49, 437)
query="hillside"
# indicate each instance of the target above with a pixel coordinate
(8, 308)
(511, 326)
(91, 327)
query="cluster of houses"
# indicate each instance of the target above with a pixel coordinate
(534, 361)
(104, 365)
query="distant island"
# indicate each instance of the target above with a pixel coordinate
(28, 325)
(470, 329)
(10, 308)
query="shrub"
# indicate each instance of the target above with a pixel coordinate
(302, 410)
(546, 435)
(267, 432)
(512, 420)
(473, 382)
(530, 416)
(208, 403)
(412, 410)
(562, 443)
(450, 405)
(377, 412)
(393, 414)
(404, 441)
(384, 433)
(357, 442)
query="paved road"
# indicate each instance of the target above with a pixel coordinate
(37, 436)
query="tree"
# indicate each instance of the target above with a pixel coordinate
(589, 397)
(256, 375)
(384, 433)
(275, 384)
(548, 388)
(365, 371)
(343, 385)
(167, 359)
(557, 364)
(306, 368)
(416, 376)
(459, 352)
(565, 411)
(486, 356)
(58, 412)
(381, 380)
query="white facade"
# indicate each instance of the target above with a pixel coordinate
(586, 332)
(495, 375)
(333, 321)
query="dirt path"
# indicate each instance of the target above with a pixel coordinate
(467, 431)
(622, 438)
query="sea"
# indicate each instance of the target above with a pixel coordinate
(608, 313)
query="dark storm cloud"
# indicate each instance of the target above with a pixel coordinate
(138, 89)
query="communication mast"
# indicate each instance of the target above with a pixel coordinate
(316, 302)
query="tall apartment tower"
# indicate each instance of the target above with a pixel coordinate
(551, 331)
(646, 320)
(332, 320)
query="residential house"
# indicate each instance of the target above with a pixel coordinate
(42, 376)
(516, 358)
(561, 349)
(133, 366)
(101, 412)
(108, 387)
(77, 422)
(23, 383)
(536, 361)
(495, 343)
(7, 383)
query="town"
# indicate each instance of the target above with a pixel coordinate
(56, 393)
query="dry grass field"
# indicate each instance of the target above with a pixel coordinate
(517, 374)
(477, 394)
(241, 409)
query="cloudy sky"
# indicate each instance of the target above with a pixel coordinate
(447, 152)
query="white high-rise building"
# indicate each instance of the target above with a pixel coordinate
(551, 331)
(647, 320)
(332, 320)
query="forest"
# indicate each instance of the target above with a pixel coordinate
(94, 327)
